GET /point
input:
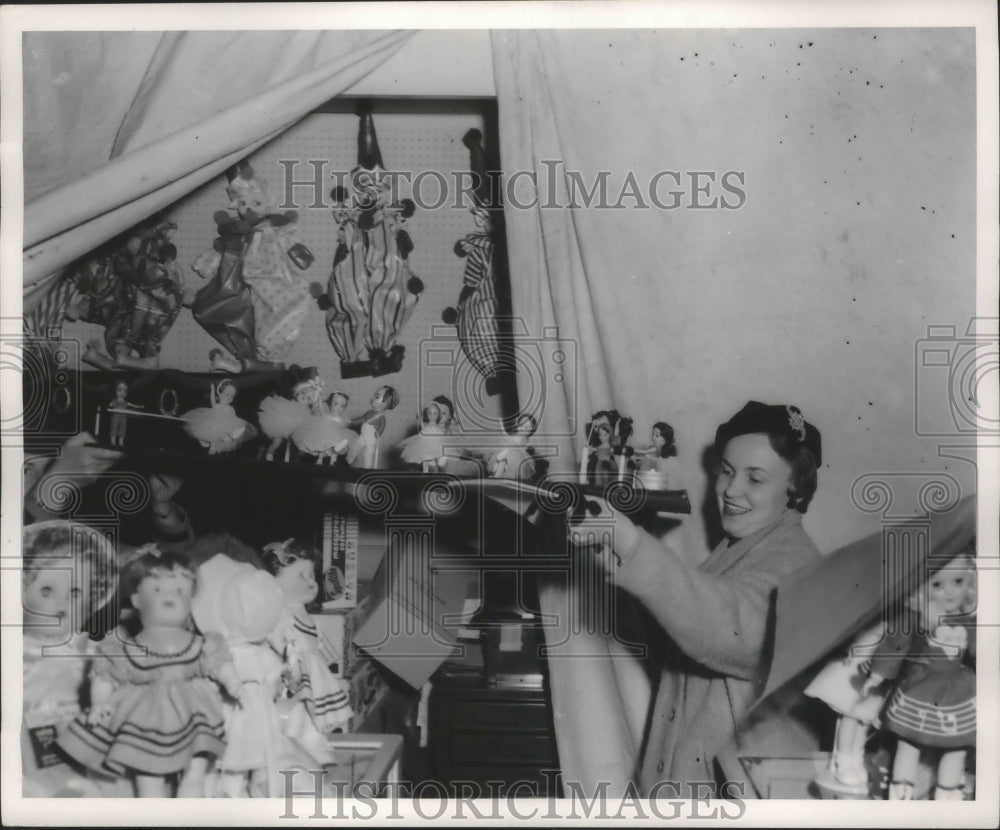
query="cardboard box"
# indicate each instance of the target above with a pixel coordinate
(339, 545)
(336, 632)
(415, 611)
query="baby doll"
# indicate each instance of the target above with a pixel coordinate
(118, 407)
(515, 460)
(426, 448)
(217, 427)
(841, 686)
(69, 572)
(658, 462)
(372, 424)
(151, 716)
(320, 700)
(244, 604)
(278, 416)
(933, 700)
(325, 433)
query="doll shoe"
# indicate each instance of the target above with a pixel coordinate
(900, 791)
(850, 771)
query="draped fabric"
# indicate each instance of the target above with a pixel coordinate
(674, 297)
(119, 125)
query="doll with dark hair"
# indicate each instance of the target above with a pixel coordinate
(657, 463)
(516, 460)
(151, 716)
(605, 449)
(372, 424)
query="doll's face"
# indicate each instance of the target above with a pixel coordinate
(298, 581)
(658, 439)
(525, 426)
(227, 394)
(52, 606)
(446, 414)
(604, 435)
(433, 413)
(950, 588)
(380, 400)
(751, 485)
(121, 390)
(338, 403)
(303, 394)
(164, 599)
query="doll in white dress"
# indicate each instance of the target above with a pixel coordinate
(426, 448)
(217, 427)
(279, 416)
(515, 460)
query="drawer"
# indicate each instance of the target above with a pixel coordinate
(483, 716)
(528, 750)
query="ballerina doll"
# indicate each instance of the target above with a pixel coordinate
(426, 448)
(69, 572)
(217, 427)
(279, 417)
(325, 433)
(932, 704)
(516, 460)
(372, 424)
(151, 714)
(119, 407)
(657, 464)
(320, 703)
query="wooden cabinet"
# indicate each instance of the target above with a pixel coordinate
(493, 738)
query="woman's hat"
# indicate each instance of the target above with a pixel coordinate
(777, 419)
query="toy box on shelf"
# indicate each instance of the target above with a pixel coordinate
(340, 560)
(336, 632)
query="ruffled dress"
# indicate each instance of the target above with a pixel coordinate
(278, 417)
(933, 702)
(839, 682)
(321, 696)
(209, 424)
(164, 714)
(253, 740)
(321, 433)
(426, 445)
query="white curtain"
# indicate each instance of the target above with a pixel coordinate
(118, 125)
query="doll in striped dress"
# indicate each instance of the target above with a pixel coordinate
(320, 702)
(152, 716)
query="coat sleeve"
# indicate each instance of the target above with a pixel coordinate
(720, 622)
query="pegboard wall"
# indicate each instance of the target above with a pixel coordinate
(414, 137)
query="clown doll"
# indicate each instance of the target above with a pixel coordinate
(151, 717)
(932, 703)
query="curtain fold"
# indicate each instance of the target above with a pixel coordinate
(194, 113)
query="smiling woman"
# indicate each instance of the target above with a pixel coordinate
(716, 614)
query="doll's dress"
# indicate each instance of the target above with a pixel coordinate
(323, 696)
(51, 700)
(164, 713)
(278, 417)
(659, 473)
(839, 682)
(252, 731)
(513, 461)
(601, 466)
(933, 702)
(371, 426)
(209, 424)
(426, 445)
(321, 433)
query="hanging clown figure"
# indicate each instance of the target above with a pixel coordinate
(255, 299)
(371, 292)
(476, 313)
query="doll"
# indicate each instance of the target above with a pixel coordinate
(151, 715)
(217, 427)
(320, 700)
(372, 424)
(460, 456)
(119, 407)
(601, 465)
(325, 433)
(278, 416)
(933, 700)
(657, 464)
(516, 459)
(244, 604)
(69, 572)
(426, 448)
(841, 686)
(604, 447)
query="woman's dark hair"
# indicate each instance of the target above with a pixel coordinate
(669, 448)
(804, 471)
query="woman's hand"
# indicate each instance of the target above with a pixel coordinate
(605, 528)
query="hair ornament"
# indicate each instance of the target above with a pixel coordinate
(796, 421)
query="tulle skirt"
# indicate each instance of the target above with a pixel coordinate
(279, 416)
